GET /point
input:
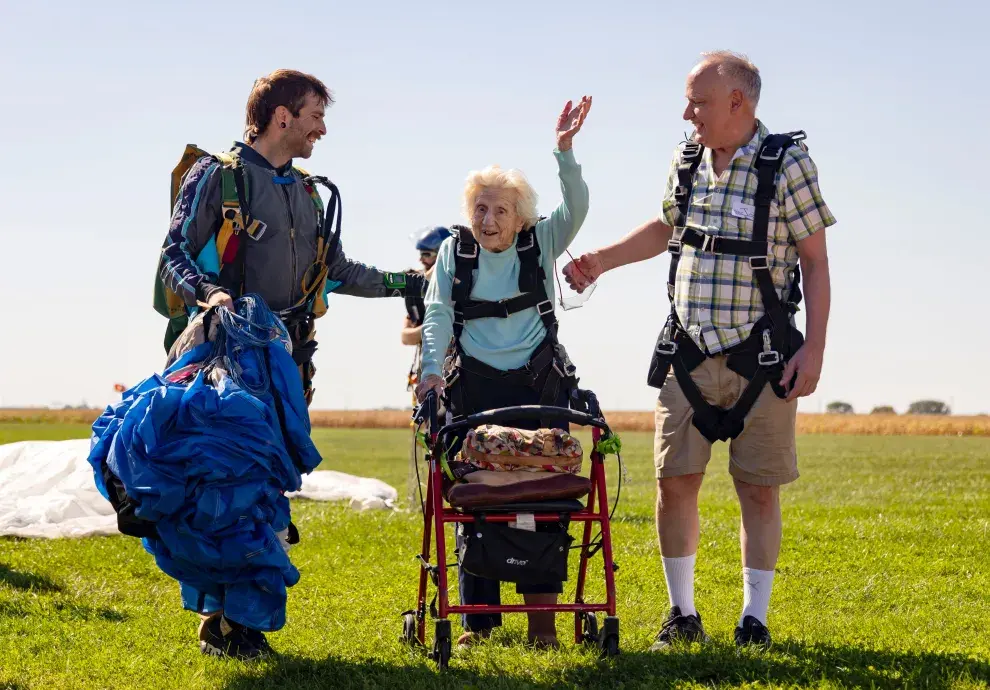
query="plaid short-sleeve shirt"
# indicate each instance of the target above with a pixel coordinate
(715, 295)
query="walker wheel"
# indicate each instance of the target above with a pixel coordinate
(409, 629)
(610, 637)
(589, 628)
(442, 644)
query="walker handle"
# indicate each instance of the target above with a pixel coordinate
(525, 412)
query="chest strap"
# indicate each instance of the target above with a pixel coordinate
(532, 284)
(691, 156)
(767, 164)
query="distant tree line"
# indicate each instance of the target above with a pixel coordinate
(933, 407)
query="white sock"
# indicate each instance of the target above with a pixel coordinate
(680, 582)
(756, 594)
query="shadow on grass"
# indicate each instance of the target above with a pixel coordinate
(27, 581)
(716, 665)
(788, 663)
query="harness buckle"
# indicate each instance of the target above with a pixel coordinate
(545, 307)
(709, 243)
(691, 151)
(667, 348)
(532, 242)
(771, 153)
(674, 247)
(503, 305)
(462, 254)
(458, 318)
(768, 359)
(759, 263)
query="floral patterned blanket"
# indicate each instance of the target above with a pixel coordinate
(506, 449)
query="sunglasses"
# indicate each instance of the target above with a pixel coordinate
(576, 300)
(425, 254)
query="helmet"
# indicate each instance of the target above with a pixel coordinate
(430, 239)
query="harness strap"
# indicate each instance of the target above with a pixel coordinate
(691, 156)
(328, 242)
(702, 241)
(236, 209)
(246, 214)
(713, 422)
(300, 327)
(524, 376)
(543, 359)
(768, 162)
(474, 309)
(675, 345)
(532, 285)
(531, 274)
(465, 261)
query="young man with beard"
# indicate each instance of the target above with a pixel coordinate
(286, 253)
(248, 221)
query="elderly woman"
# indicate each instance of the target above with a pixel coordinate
(492, 290)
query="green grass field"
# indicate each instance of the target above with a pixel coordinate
(883, 581)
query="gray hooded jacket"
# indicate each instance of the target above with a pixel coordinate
(276, 262)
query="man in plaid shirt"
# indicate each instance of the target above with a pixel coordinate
(718, 302)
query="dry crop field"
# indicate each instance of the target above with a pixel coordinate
(852, 424)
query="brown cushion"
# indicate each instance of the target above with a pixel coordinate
(531, 486)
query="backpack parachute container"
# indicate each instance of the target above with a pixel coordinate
(166, 302)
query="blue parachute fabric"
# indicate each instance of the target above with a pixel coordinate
(205, 458)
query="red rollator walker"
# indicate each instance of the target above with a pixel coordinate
(436, 515)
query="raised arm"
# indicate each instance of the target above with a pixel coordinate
(562, 226)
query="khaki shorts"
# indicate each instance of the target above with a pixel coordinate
(764, 454)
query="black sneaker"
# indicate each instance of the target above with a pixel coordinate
(753, 632)
(225, 638)
(679, 628)
(259, 640)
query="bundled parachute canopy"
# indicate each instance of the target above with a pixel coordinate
(205, 453)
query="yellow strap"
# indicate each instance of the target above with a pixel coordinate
(223, 237)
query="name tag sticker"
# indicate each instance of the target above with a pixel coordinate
(741, 210)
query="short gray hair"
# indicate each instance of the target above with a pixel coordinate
(494, 177)
(738, 69)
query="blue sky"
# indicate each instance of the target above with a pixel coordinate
(99, 101)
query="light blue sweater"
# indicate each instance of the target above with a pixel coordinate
(503, 343)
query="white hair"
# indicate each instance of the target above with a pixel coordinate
(493, 177)
(738, 70)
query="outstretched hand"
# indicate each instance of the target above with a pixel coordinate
(583, 271)
(570, 121)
